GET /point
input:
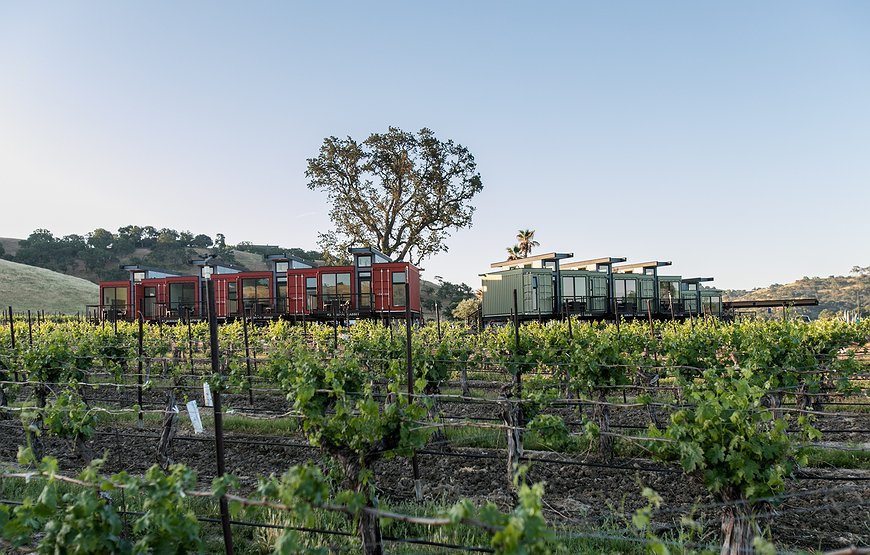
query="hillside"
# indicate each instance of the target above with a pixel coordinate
(98, 261)
(26, 287)
(835, 294)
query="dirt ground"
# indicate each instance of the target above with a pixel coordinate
(814, 513)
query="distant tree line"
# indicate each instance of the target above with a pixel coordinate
(310, 256)
(98, 255)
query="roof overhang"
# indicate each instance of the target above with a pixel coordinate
(369, 250)
(770, 303)
(641, 265)
(547, 257)
(597, 262)
(697, 280)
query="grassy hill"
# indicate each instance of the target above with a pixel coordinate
(30, 288)
(835, 294)
(96, 266)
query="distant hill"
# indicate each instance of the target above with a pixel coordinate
(98, 256)
(26, 287)
(835, 294)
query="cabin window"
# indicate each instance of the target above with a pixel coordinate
(574, 288)
(149, 303)
(568, 287)
(669, 289)
(182, 297)
(138, 277)
(255, 293)
(365, 289)
(626, 288)
(712, 305)
(232, 298)
(311, 292)
(115, 298)
(363, 261)
(281, 267)
(335, 287)
(281, 295)
(399, 289)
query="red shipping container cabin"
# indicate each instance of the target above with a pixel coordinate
(154, 294)
(373, 286)
(115, 300)
(245, 293)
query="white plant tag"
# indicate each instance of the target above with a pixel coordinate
(195, 419)
(206, 394)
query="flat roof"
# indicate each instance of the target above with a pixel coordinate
(284, 257)
(697, 279)
(537, 258)
(770, 303)
(592, 261)
(642, 265)
(369, 250)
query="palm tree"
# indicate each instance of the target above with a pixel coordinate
(526, 241)
(514, 252)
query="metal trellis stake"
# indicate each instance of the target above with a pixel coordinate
(189, 338)
(247, 357)
(218, 415)
(140, 351)
(418, 486)
(12, 337)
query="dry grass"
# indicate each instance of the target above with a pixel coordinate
(26, 287)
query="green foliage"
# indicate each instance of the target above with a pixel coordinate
(166, 526)
(342, 411)
(728, 439)
(87, 524)
(524, 531)
(397, 191)
(69, 417)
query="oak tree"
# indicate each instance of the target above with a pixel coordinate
(399, 192)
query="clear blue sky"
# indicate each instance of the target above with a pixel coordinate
(730, 137)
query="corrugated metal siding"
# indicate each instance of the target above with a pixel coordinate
(498, 299)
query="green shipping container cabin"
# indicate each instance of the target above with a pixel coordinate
(691, 292)
(536, 281)
(646, 291)
(670, 297)
(585, 293)
(587, 290)
(711, 302)
(633, 294)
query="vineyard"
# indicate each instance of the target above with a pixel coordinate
(565, 437)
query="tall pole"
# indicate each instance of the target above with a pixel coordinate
(218, 415)
(29, 329)
(140, 380)
(12, 337)
(519, 370)
(247, 357)
(189, 339)
(409, 367)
